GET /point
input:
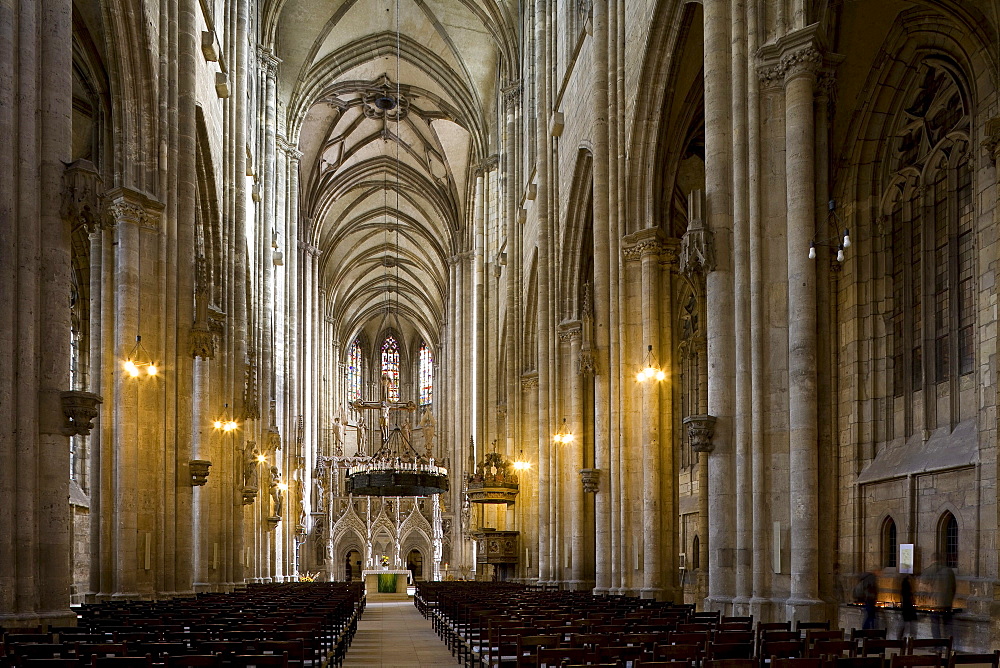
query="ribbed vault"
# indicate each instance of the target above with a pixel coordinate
(388, 193)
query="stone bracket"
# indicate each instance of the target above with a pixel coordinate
(199, 471)
(249, 495)
(701, 429)
(81, 196)
(591, 479)
(272, 522)
(79, 409)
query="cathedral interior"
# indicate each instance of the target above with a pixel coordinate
(687, 301)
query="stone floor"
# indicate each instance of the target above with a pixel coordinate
(392, 634)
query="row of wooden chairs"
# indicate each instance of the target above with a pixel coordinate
(295, 624)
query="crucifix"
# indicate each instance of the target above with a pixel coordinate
(384, 406)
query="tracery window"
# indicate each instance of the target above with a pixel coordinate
(929, 223)
(426, 375)
(889, 543)
(353, 373)
(948, 540)
(390, 366)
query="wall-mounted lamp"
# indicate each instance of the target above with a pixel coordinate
(563, 435)
(138, 361)
(227, 424)
(838, 242)
(650, 368)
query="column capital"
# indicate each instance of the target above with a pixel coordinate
(124, 205)
(529, 380)
(287, 148)
(511, 91)
(798, 53)
(268, 61)
(488, 163)
(650, 241)
(570, 330)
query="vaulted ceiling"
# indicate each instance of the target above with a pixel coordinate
(389, 191)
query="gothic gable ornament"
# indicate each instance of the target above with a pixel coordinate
(81, 203)
(697, 254)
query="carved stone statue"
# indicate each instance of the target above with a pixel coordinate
(250, 476)
(277, 496)
(338, 436)
(427, 430)
(362, 437)
(320, 485)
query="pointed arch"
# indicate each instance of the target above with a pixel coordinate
(577, 243)
(353, 371)
(389, 365)
(426, 374)
(948, 539)
(890, 544)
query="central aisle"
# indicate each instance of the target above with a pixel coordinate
(392, 633)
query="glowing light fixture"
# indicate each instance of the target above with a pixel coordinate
(139, 362)
(227, 424)
(650, 368)
(564, 435)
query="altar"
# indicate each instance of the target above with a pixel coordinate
(371, 579)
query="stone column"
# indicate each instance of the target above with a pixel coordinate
(741, 277)
(574, 462)
(759, 601)
(507, 177)
(529, 480)
(648, 246)
(801, 61)
(719, 302)
(602, 299)
(130, 212)
(35, 136)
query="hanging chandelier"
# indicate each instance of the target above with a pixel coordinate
(397, 469)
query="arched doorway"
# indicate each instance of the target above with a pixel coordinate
(352, 566)
(415, 564)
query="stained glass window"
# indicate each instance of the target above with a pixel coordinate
(354, 371)
(390, 366)
(426, 375)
